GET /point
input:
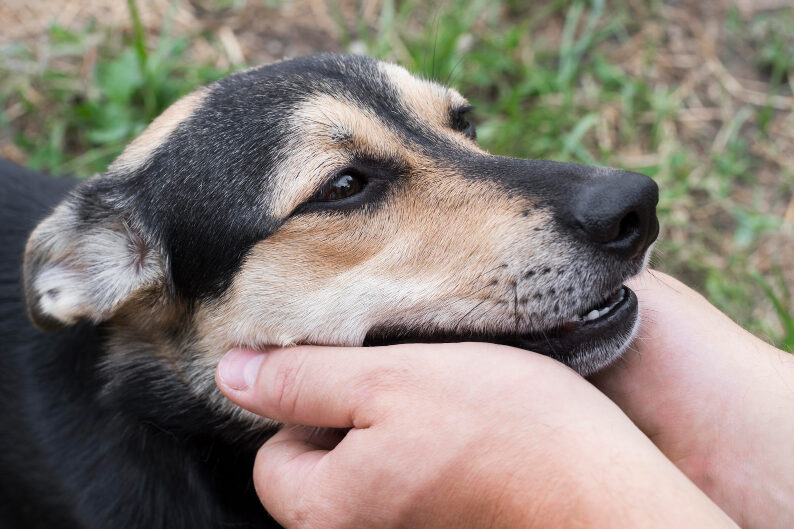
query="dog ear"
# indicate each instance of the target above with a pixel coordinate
(84, 261)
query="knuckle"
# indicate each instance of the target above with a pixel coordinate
(276, 490)
(311, 514)
(284, 387)
(307, 512)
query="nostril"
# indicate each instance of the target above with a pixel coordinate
(616, 212)
(629, 226)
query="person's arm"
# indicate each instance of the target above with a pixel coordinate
(452, 435)
(716, 400)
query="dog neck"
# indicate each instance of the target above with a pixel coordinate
(153, 369)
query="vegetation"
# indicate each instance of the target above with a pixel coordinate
(698, 97)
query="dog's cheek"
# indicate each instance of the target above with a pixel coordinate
(425, 258)
(295, 287)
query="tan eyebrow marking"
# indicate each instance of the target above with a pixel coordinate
(330, 128)
(328, 131)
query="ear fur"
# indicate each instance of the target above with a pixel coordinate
(78, 268)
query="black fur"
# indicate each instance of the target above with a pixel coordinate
(77, 453)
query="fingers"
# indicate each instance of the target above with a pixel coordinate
(351, 387)
(319, 386)
(285, 465)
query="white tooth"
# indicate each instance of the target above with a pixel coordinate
(593, 314)
(603, 311)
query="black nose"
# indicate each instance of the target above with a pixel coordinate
(617, 211)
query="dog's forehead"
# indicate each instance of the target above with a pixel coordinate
(397, 101)
(373, 87)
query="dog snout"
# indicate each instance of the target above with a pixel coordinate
(616, 212)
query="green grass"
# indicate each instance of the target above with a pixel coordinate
(781, 299)
(80, 126)
(566, 80)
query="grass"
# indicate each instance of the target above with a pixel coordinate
(79, 125)
(697, 102)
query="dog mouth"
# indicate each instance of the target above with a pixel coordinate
(587, 341)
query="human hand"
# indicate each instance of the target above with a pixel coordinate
(715, 399)
(451, 435)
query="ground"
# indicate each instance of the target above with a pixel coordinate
(698, 95)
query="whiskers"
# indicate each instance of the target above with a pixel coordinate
(545, 336)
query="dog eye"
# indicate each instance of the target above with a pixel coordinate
(343, 187)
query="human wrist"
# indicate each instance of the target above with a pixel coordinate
(628, 486)
(713, 398)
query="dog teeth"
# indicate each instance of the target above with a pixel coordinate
(597, 313)
(593, 314)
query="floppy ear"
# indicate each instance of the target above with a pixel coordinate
(84, 266)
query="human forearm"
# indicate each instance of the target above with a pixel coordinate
(620, 486)
(715, 399)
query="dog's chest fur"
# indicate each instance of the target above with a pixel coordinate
(74, 454)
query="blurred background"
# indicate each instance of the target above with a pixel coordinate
(697, 94)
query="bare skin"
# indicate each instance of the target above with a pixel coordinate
(716, 400)
(452, 435)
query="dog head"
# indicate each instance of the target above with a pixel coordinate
(338, 200)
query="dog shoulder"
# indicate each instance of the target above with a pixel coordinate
(72, 454)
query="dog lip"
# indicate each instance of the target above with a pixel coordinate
(602, 309)
(570, 342)
(576, 336)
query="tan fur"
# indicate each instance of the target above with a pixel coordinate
(139, 151)
(331, 278)
(326, 130)
(429, 101)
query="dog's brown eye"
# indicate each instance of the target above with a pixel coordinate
(345, 186)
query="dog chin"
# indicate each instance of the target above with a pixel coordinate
(594, 359)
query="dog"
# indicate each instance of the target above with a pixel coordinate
(323, 200)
